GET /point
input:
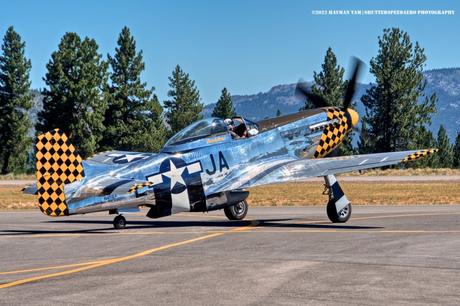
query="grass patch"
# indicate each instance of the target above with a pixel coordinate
(360, 193)
(12, 176)
(13, 198)
(404, 172)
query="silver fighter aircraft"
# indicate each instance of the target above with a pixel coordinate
(209, 165)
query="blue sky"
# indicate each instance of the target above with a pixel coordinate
(247, 46)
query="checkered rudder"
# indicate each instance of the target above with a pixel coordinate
(333, 133)
(58, 163)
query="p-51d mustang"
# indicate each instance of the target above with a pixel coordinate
(209, 165)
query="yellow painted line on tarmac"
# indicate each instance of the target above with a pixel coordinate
(202, 215)
(93, 265)
(379, 217)
(418, 231)
(216, 231)
(354, 231)
(262, 230)
(314, 222)
(122, 233)
(53, 267)
(100, 234)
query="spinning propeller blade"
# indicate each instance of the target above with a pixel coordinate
(303, 90)
(351, 88)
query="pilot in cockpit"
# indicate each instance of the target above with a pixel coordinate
(238, 128)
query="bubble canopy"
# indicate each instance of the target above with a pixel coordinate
(201, 129)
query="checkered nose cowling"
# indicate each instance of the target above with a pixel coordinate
(333, 133)
(57, 164)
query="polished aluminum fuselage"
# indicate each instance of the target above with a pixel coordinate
(220, 161)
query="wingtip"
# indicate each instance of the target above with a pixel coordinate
(419, 154)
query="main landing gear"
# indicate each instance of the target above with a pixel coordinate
(237, 211)
(338, 206)
(119, 222)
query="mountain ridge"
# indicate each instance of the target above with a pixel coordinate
(445, 82)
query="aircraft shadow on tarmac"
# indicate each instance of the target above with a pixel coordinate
(275, 223)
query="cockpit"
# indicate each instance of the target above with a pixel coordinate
(237, 127)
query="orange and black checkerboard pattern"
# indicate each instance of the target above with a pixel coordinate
(58, 163)
(419, 154)
(333, 133)
(138, 186)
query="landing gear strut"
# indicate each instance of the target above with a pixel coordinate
(119, 222)
(237, 211)
(338, 207)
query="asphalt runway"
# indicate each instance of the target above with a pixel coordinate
(290, 256)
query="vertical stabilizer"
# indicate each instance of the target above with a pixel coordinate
(57, 164)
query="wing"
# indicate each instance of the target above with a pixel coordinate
(301, 169)
(109, 160)
(118, 157)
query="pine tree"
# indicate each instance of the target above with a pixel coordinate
(445, 155)
(184, 107)
(278, 112)
(329, 85)
(224, 106)
(396, 119)
(365, 145)
(426, 140)
(15, 102)
(456, 159)
(133, 118)
(75, 100)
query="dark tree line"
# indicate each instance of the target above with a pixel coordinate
(15, 102)
(103, 104)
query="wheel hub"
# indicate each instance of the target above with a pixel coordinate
(344, 212)
(239, 208)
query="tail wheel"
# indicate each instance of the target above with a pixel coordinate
(338, 217)
(119, 222)
(237, 211)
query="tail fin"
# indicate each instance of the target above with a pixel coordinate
(58, 163)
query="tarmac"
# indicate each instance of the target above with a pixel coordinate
(278, 256)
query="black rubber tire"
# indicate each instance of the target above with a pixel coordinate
(335, 217)
(119, 222)
(237, 211)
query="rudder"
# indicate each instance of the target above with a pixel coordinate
(57, 164)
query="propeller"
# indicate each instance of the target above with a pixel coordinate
(351, 88)
(303, 90)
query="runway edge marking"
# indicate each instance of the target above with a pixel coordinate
(107, 262)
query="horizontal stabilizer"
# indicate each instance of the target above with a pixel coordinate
(118, 157)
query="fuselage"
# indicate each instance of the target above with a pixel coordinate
(191, 176)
